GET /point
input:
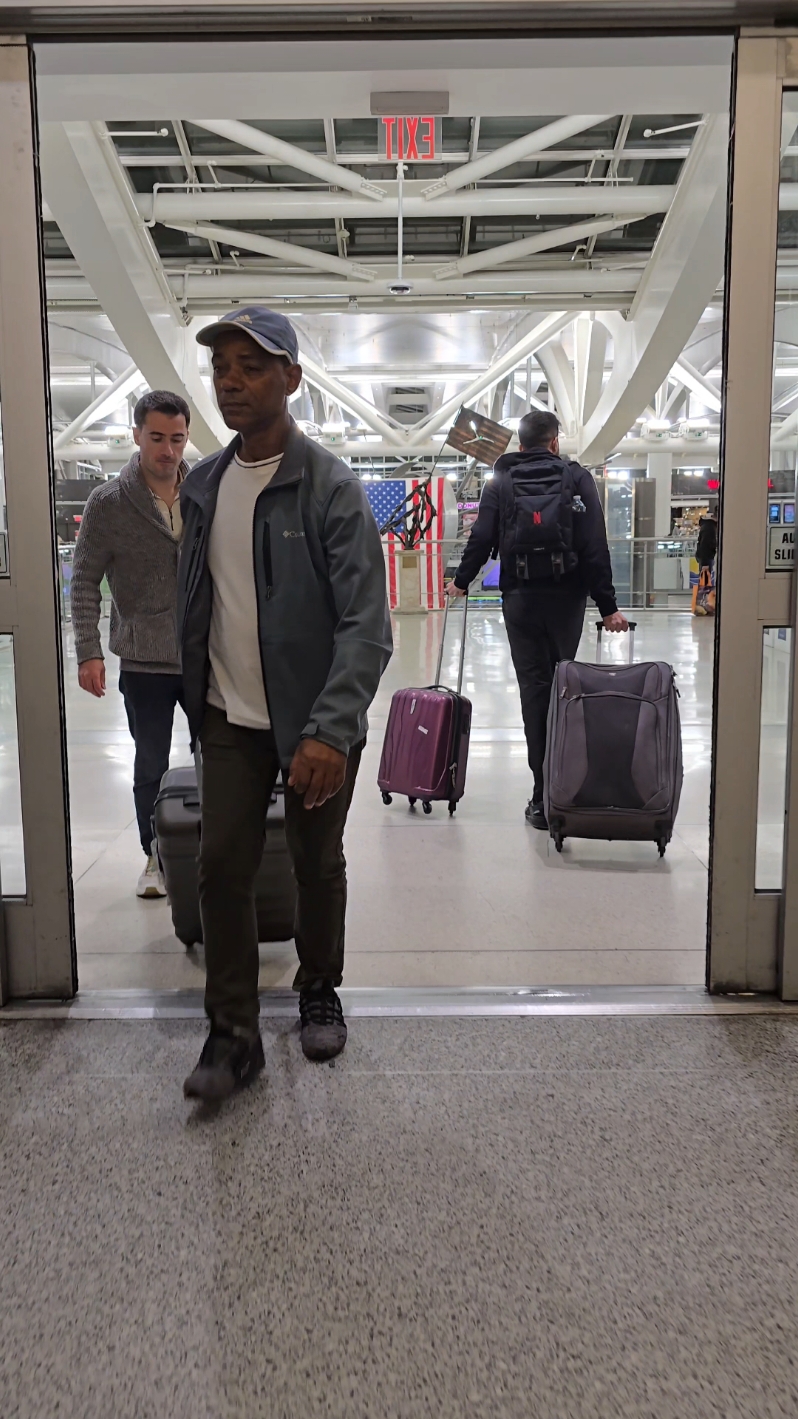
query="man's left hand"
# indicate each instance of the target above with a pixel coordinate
(616, 622)
(317, 771)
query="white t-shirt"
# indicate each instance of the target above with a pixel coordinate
(236, 678)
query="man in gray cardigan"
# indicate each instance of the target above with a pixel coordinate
(131, 533)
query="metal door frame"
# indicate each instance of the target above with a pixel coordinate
(748, 948)
(39, 928)
(752, 936)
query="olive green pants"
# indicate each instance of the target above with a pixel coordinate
(239, 771)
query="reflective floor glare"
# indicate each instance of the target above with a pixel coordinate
(478, 900)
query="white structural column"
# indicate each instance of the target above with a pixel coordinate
(697, 383)
(349, 400)
(660, 468)
(680, 280)
(560, 378)
(518, 151)
(89, 196)
(248, 137)
(530, 344)
(105, 403)
(594, 373)
(283, 250)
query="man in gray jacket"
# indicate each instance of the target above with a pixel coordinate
(131, 532)
(285, 633)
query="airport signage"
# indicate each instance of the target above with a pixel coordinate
(781, 549)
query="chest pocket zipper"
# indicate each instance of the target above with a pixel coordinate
(267, 559)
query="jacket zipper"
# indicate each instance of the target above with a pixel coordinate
(266, 552)
(267, 558)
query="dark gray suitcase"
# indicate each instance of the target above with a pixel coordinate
(177, 831)
(614, 751)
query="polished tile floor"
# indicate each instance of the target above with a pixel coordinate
(477, 900)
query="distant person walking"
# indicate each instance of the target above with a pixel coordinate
(130, 533)
(542, 512)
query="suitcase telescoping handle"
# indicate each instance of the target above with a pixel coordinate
(449, 600)
(632, 629)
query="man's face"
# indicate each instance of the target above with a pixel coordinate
(162, 441)
(252, 386)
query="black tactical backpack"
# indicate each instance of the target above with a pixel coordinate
(536, 512)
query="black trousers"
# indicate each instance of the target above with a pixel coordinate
(150, 704)
(544, 625)
(239, 771)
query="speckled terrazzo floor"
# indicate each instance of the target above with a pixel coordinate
(514, 1218)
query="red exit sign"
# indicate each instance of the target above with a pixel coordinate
(408, 139)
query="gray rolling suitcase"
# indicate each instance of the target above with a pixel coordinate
(614, 751)
(177, 831)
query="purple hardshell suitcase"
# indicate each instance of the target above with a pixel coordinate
(425, 751)
(614, 751)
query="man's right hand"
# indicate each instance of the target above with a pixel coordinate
(91, 677)
(452, 590)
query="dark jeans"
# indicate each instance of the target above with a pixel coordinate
(150, 704)
(544, 625)
(239, 770)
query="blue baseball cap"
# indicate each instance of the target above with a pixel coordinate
(266, 327)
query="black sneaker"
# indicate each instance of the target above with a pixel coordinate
(323, 1033)
(535, 816)
(228, 1062)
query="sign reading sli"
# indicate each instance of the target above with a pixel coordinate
(407, 139)
(781, 549)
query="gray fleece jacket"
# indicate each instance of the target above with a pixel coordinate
(325, 632)
(123, 536)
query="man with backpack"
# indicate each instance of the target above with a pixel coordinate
(541, 514)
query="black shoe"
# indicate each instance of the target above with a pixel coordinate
(535, 816)
(323, 1033)
(228, 1062)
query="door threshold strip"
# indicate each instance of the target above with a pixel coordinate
(386, 1002)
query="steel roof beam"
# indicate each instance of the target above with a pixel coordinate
(531, 245)
(520, 150)
(266, 203)
(282, 250)
(248, 137)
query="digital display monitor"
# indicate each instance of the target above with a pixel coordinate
(789, 513)
(774, 512)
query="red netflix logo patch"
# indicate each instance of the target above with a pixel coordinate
(410, 139)
(537, 518)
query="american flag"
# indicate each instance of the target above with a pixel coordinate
(384, 497)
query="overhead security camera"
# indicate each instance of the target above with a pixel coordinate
(400, 288)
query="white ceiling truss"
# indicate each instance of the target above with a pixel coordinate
(553, 262)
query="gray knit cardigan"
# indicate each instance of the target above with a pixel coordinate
(123, 536)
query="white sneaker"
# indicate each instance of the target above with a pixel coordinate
(150, 883)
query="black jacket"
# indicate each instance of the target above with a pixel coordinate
(594, 573)
(707, 545)
(325, 631)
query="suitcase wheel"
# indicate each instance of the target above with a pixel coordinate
(452, 809)
(386, 798)
(662, 843)
(412, 802)
(426, 806)
(558, 841)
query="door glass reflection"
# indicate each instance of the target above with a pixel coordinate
(776, 671)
